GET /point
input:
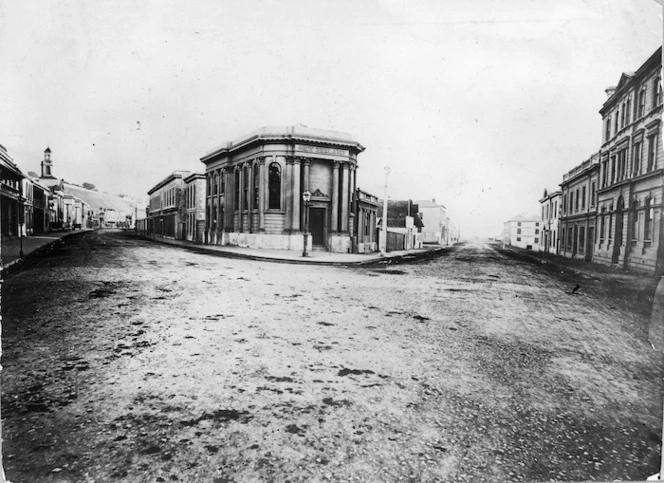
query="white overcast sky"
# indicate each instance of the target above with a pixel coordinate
(479, 104)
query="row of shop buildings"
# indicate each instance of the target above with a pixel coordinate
(268, 188)
(608, 209)
(31, 205)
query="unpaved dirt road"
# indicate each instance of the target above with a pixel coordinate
(126, 360)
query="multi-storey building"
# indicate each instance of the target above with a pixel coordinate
(579, 209)
(434, 217)
(523, 232)
(631, 183)
(11, 182)
(194, 202)
(166, 209)
(550, 203)
(255, 188)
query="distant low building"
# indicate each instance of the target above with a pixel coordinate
(523, 232)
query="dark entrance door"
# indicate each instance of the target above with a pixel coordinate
(619, 232)
(317, 226)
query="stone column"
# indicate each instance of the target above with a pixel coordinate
(228, 199)
(266, 182)
(297, 196)
(262, 188)
(289, 193)
(240, 194)
(250, 198)
(335, 197)
(344, 197)
(219, 221)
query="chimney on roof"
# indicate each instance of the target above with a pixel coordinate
(610, 91)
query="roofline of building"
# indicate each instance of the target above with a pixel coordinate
(194, 176)
(279, 137)
(169, 178)
(654, 59)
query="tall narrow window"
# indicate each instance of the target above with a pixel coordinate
(647, 233)
(635, 220)
(622, 116)
(593, 192)
(642, 102)
(245, 178)
(274, 176)
(222, 181)
(657, 89)
(636, 159)
(652, 145)
(215, 186)
(576, 204)
(256, 185)
(583, 198)
(628, 110)
(607, 132)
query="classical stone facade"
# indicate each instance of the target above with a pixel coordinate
(579, 209)
(631, 179)
(255, 186)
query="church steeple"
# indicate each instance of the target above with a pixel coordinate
(47, 165)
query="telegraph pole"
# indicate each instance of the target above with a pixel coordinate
(383, 232)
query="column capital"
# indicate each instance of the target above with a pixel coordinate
(261, 160)
(335, 164)
(290, 159)
(306, 161)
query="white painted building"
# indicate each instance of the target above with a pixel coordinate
(523, 232)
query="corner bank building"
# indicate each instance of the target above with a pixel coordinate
(255, 186)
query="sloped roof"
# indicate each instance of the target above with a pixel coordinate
(96, 199)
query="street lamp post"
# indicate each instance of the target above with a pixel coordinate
(306, 196)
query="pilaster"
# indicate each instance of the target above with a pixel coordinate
(335, 198)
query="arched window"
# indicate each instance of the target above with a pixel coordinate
(237, 189)
(245, 178)
(256, 185)
(216, 184)
(274, 176)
